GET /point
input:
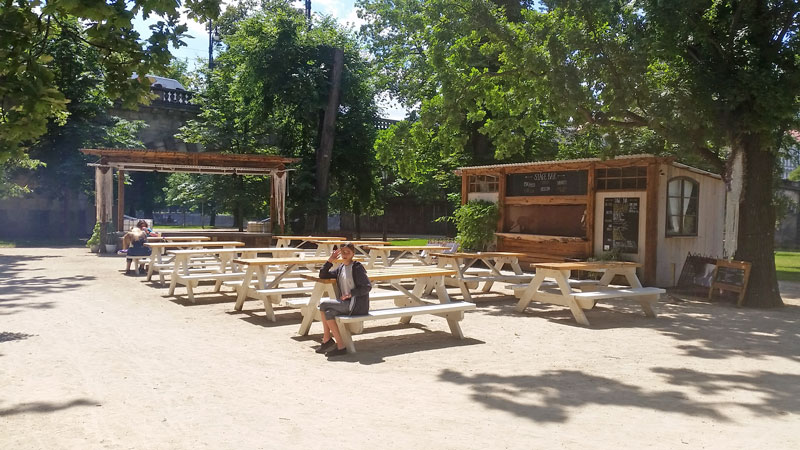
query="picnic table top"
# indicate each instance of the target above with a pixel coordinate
(392, 274)
(480, 255)
(234, 250)
(203, 244)
(309, 238)
(408, 248)
(586, 265)
(281, 261)
(185, 238)
(340, 242)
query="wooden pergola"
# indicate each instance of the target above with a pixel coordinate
(144, 160)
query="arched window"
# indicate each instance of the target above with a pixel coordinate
(682, 206)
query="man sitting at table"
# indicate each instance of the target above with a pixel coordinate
(353, 290)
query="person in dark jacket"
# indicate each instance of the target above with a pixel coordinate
(353, 288)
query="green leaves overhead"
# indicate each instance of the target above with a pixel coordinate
(29, 95)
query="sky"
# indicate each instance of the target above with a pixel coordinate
(197, 45)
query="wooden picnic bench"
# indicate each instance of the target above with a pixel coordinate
(217, 270)
(325, 247)
(408, 303)
(257, 283)
(565, 295)
(161, 261)
(467, 278)
(383, 253)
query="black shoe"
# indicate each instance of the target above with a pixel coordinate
(326, 346)
(129, 272)
(337, 352)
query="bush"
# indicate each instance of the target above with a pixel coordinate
(95, 239)
(476, 222)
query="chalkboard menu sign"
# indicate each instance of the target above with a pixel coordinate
(621, 224)
(568, 182)
(730, 276)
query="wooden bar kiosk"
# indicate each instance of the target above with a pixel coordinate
(648, 209)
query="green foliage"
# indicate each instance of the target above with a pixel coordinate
(476, 222)
(31, 96)
(95, 238)
(266, 95)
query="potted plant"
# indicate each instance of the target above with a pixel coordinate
(111, 243)
(476, 222)
(94, 242)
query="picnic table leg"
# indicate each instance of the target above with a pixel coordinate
(453, 320)
(498, 265)
(240, 298)
(189, 292)
(270, 313)
(527, 295)
(647, 303)
(308, 310)
(347, 339)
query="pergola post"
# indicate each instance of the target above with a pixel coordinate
(104, 199)
(120, 200)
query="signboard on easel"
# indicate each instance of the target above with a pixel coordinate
(731, 276)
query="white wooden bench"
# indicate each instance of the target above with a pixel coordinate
(646, 296)
(137, 260)
(453, 312)
(193, 279)
(274, 295)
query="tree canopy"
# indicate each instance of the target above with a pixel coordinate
(267, 93)
(30, 96)
(708, 81)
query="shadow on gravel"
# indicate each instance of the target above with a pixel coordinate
(8, 336)
(21, 286)
(552, 395)
(44, 407)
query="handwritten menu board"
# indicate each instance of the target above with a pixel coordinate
(568, 182)
(621, 224)
(730, 276)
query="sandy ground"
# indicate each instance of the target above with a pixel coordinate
(93, 359)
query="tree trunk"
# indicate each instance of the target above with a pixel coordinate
(756, 238)
(326, 142)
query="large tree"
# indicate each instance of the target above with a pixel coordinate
(268, 91)
(716, 80)
(30, 97)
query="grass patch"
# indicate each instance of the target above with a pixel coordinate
(413, 242)
(787, 265)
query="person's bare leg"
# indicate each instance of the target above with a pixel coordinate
(326, 330)
(335, 330)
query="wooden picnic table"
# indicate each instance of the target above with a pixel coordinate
(159, 262)
(384, 252)
(408, 303)
(185, 271)
(562, 291)
(268, 288)
(325, 247)
(462, 262)
(185, 238)
(286, 241)
(422, 276)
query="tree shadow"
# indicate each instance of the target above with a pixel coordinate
(19, 288)
(550, 396)
(779, 392)
(375, 350)
(8, 336)
(721, 330)
(45, 407)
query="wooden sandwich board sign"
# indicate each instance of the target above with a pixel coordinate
(730, 276)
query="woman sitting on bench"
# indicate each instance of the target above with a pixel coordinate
(353, 288)
(134, 242)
